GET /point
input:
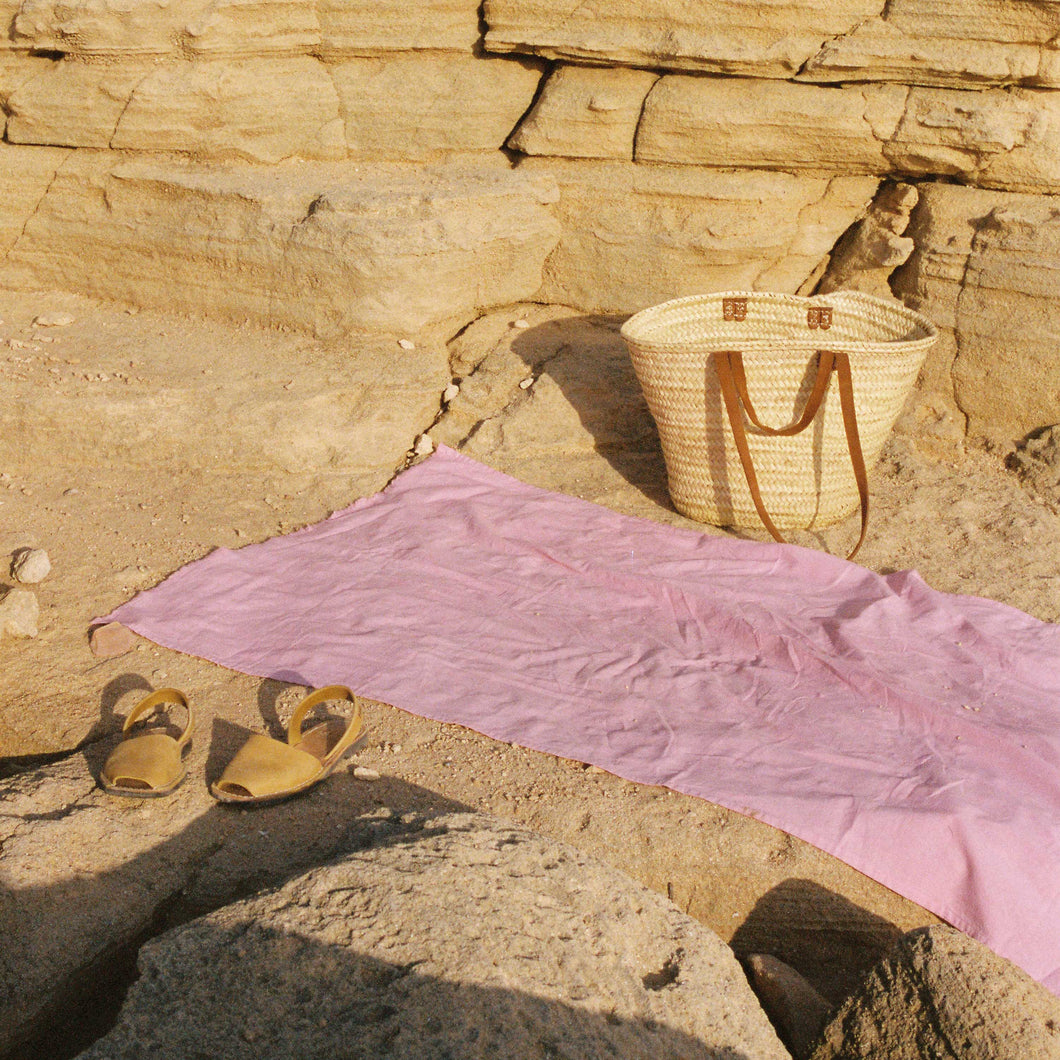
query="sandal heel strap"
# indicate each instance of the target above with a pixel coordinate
(321, 695)
(163, 695)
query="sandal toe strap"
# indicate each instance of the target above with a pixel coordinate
(152, 761)
(263, 766)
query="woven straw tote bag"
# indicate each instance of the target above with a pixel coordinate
(753, 433)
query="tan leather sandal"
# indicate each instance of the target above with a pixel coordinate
(266, 770)
(152, 764)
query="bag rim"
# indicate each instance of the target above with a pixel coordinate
(647, 328)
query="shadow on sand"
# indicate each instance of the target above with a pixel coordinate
(825, 937)
(70, 948)
(589, 361)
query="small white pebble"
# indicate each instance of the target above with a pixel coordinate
(19, 612)
(450, 392)
(406, 344)
(521, 324)
(31, 566)
(527, 383)
(53, 320)
(424, 445)
(364, 773)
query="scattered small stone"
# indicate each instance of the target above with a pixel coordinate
(135, 576)
(450, 392)
(424, 445)
(595, 769)
(1036, 461)
(73, 491)
(111, 640)
(406, 344)
(30, 565)
(526, 383)
(53, 320)
(18, 344)
(364, 773)
(521, 324)
(794, 1007)
(19, 612)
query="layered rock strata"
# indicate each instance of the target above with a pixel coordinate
(267, 109)
(634, 235)
(982, 42)
(308, 246)
(111, 28)
(987, 269)
(728, 146)
(996, 138)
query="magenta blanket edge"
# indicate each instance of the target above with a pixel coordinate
(868, 858)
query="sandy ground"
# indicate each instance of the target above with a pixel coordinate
(132, 443)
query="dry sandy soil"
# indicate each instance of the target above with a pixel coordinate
(134, 442)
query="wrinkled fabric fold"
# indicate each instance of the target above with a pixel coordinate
(913, 734)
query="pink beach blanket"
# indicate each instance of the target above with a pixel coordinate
(911, 733)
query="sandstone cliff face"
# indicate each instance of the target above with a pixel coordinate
(946, 43)
(240, 157)
(987, 266)
(375, 169)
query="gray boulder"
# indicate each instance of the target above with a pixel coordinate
(942, 996)
(470, 939)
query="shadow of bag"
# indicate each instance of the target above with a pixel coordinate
(718, 370)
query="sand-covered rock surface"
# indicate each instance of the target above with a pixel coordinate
(132, 442)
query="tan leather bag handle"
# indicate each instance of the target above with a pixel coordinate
(733, 383)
